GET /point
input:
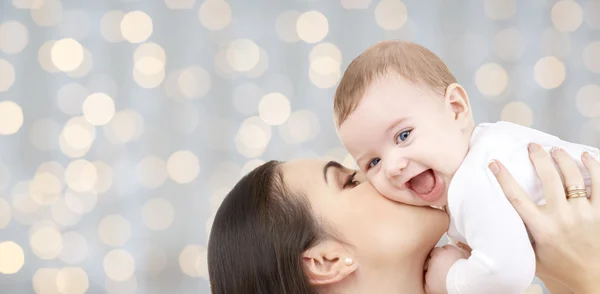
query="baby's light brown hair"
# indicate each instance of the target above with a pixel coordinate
(411, 61)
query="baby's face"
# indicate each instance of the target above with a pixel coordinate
(406, 138)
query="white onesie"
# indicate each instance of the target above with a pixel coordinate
(502, 260)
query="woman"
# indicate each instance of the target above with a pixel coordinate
(313, 227)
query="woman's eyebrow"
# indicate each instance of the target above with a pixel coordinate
(333, 164)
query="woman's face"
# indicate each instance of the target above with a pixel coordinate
(382, 232)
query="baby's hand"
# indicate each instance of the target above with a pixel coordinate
(438, 265)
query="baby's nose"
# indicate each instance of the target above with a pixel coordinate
(396, 167)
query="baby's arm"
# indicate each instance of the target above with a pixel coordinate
(502, 259)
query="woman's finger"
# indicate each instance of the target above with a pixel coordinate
(571, 174)
(527, 210)
(548, 174)
(593, 167)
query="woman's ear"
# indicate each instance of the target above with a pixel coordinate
(456, 97)
(328, 263)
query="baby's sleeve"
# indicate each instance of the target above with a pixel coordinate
(502, 258)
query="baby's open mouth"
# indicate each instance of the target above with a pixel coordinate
(425, 185)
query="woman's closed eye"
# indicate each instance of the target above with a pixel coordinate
(351, 181)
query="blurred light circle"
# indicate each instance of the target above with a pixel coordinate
(243, 54)
(72, 280)
(312, 26)
(325, 50)
(67, 54)
(14, 37)
(148, 81)
(44, 281)
(81, 175)
(517, 112)
(500, 9)
(7, 72)
(566, 15)
(274, 108)
(136, 26)
(491, 79)
(215, 15)
(149, 65)
(325, 72)
(591, 57)
(301, 126)
(391, 14)
(190, 257)
(126, 126)
(11, 117)
(285, 26)
(224, 175)
(356, 4)
(252, 137)
(110, 26)
(588, 100)
(12, 259)
(45, 57)
(119, 265)
(222, 66)
(77, 137)
(183, 166)
(509, 44)
(104, 177)
(46, 242)
(150, 50)
(98, 109)
(48, 13)
(549, 72)
(194, 82)
(45, 188)
(158, 214)
(114, 230)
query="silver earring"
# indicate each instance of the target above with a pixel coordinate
(348, 261)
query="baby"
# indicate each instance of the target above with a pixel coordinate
(409, 126)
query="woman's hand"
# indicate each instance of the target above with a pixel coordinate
(566, 232)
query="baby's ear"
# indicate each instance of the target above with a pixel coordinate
(328, 263)
(456, 97)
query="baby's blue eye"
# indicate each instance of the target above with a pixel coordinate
(402, 136)
(374, 162)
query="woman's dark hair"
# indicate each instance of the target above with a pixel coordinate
(258, 236)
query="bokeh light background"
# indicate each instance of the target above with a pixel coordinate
(123, 123)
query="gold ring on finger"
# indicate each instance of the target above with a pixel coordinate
(577, 194)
